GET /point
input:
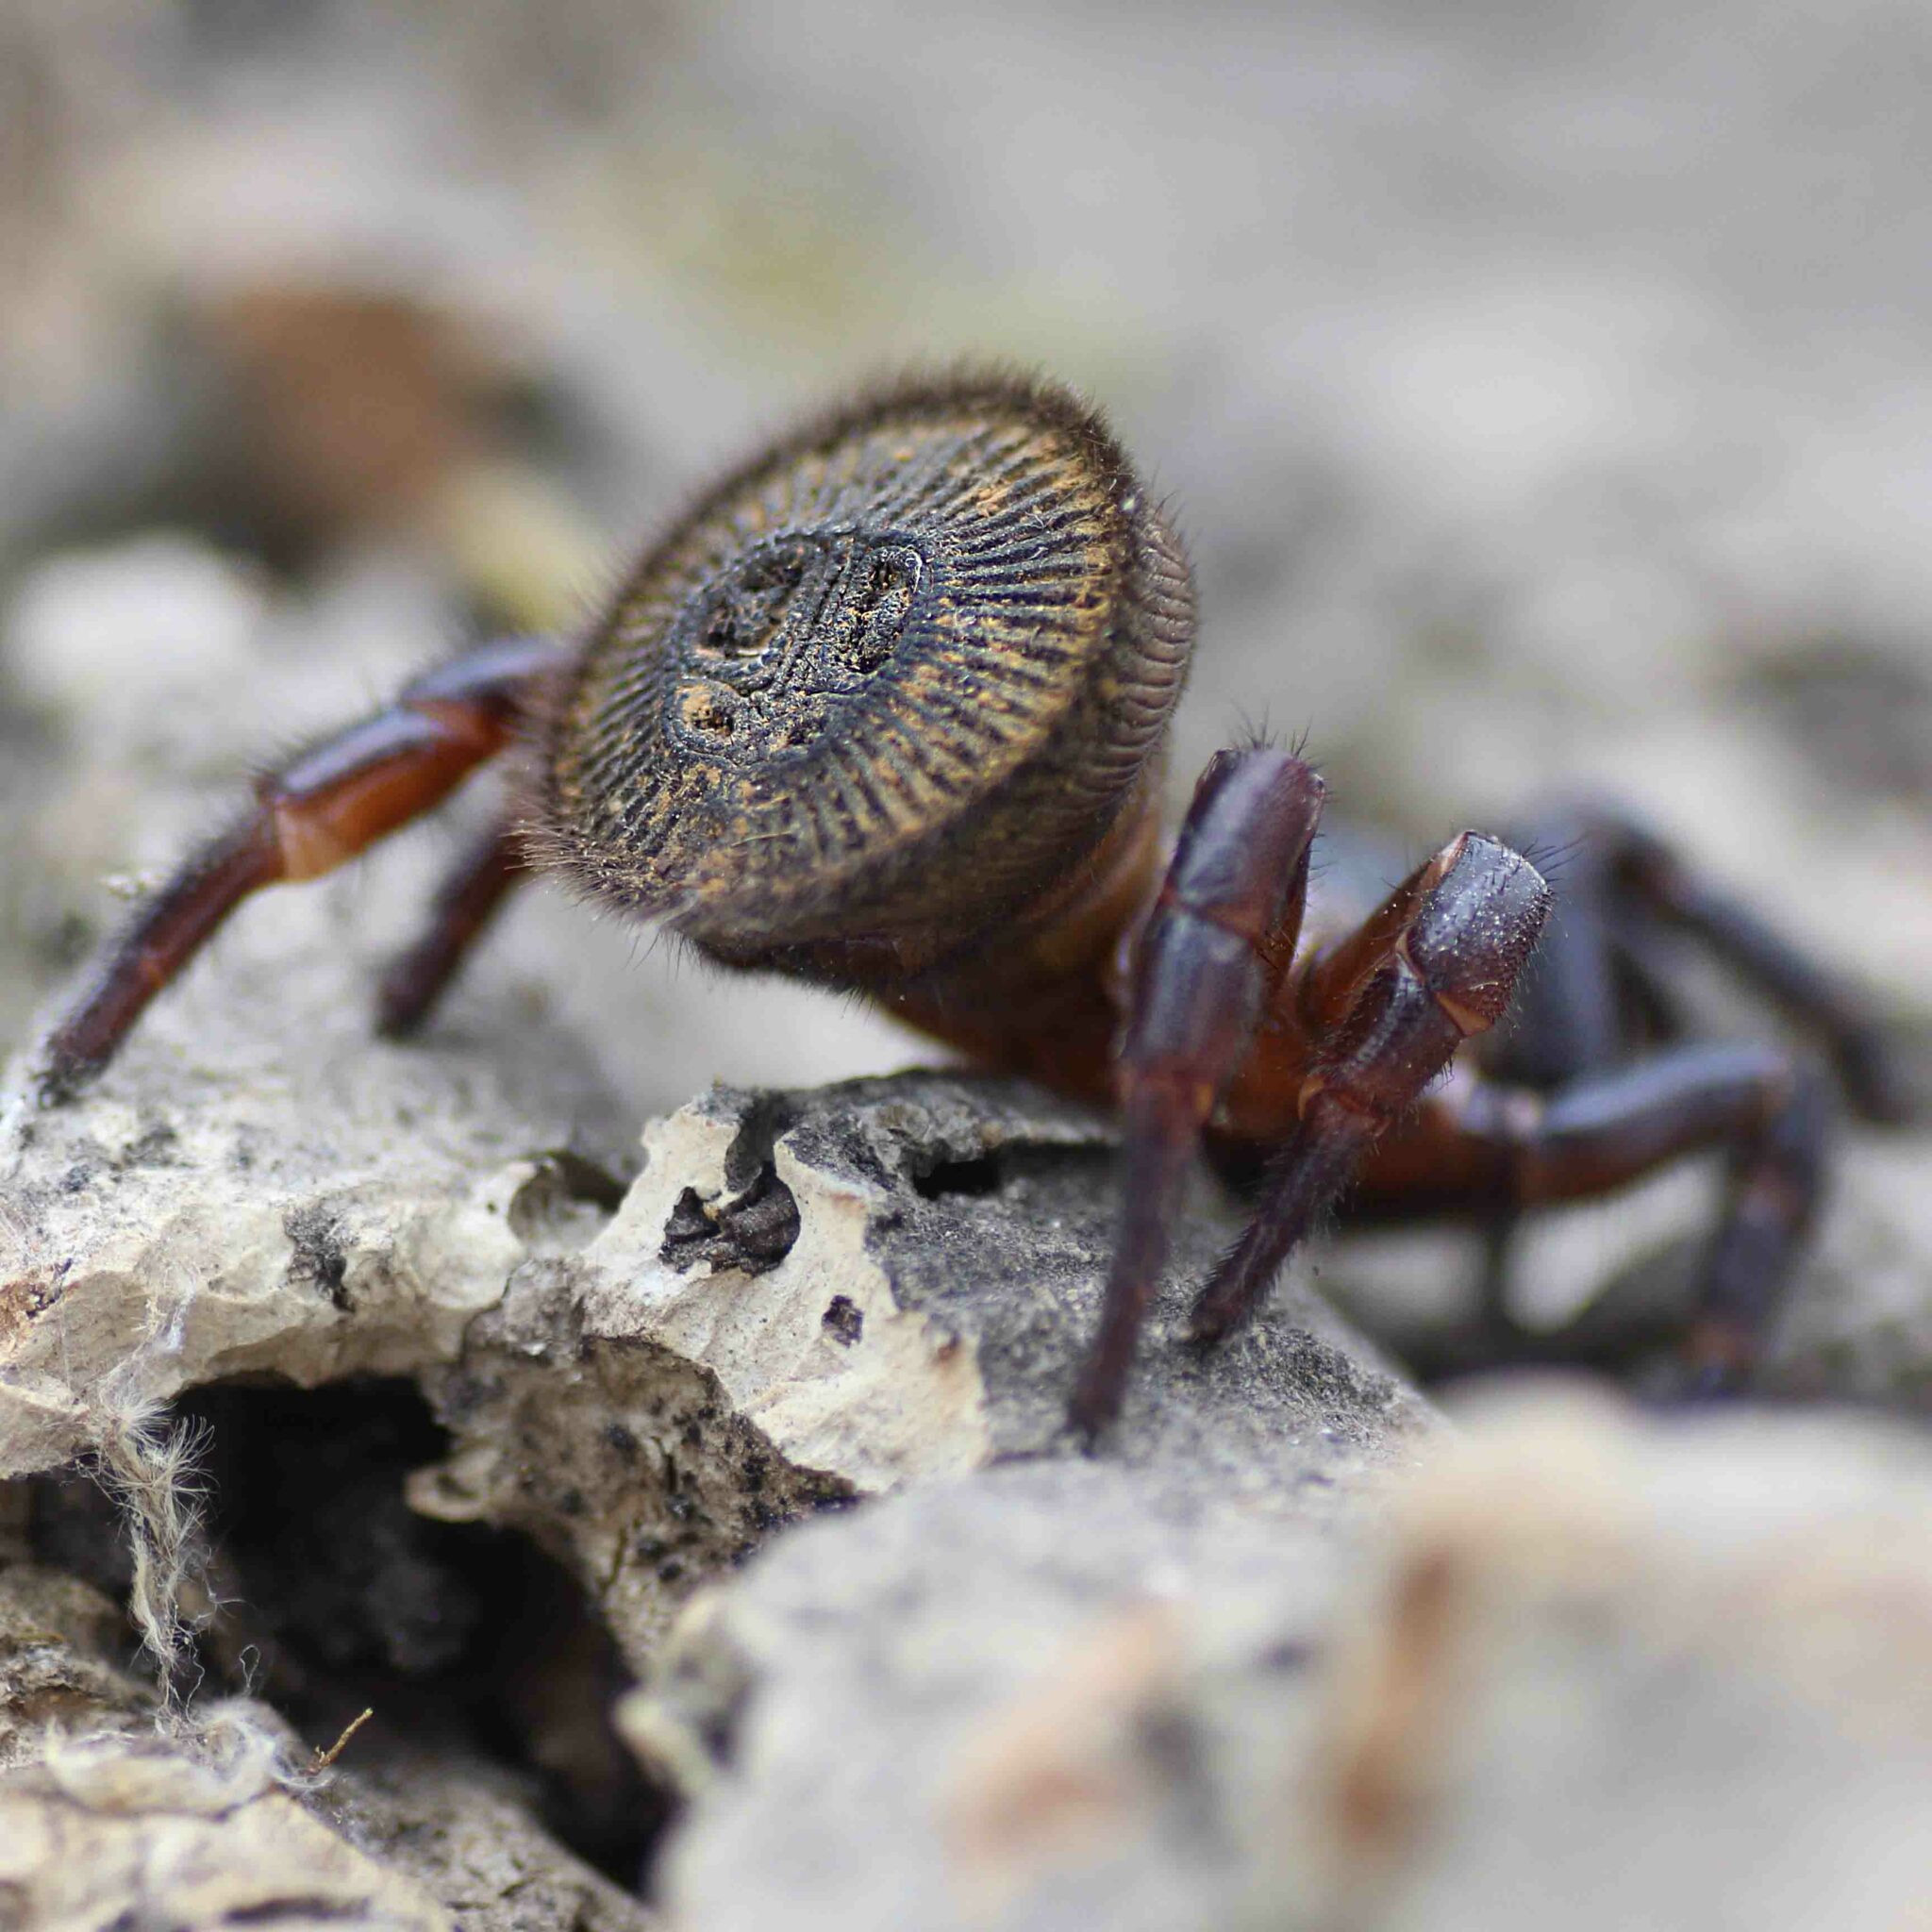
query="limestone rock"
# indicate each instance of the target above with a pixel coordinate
(810, 1298)
(1585, 1668)
(72, 1858)
(1029, 1698)
(247, 1196)
(1614, 1674)
(461, 1833)
(800, 1300)
(803, 1300)
(55, 1638)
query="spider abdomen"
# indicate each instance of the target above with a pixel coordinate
(895, 672)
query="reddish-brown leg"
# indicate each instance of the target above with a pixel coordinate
(1386, 1008)
(1215, 947)
(465, 904)
(319, 809)
(1478, 1143)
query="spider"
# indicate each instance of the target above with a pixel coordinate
(884, 709)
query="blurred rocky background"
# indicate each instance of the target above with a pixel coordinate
(1543, 393)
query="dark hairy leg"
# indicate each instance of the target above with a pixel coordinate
(1569, 1014)
(1642, 870)
(1214, 949)
(1387, 1010)
(1578, 1011)
(465, 904)
(1589, 1120)
(1770, 1114)
(319, 809)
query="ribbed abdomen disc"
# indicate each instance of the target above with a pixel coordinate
(899, 669)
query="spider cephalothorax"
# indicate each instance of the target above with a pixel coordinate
(885, 707)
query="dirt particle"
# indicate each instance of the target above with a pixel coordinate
(321, 1260)
(843, 1319)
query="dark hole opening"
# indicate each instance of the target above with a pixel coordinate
(466, 1640)
(979, 1176)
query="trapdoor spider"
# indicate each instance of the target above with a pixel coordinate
(885, 711)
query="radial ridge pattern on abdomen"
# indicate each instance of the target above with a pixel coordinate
(943, 618)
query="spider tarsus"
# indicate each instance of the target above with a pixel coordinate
(58, 1083)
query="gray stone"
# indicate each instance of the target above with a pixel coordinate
(1575, 1666)
(250, 1191)
(664, 1396)
(1612, 1673)
(802, 1301)
(465, 1834)
(1029, 1698)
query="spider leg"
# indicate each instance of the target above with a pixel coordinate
(1642, 866)
(1603, 1130)
(1215, 947)
(320, 809)
(1571, 1026)
(465, 904)
(1388, 1007)
(1569, 1018)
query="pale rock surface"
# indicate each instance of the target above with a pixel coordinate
(1045, 1691)
(801, 1301)
(669, 1393)
(73, 1859)
(251, 1194)
(1583, 1668)
(465, 1834)
(1610, 1673)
